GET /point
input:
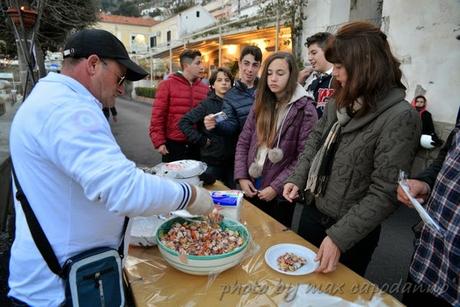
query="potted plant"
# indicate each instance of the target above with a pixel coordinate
(29, 16)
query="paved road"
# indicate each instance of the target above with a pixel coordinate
(131, 132)
(390, 261)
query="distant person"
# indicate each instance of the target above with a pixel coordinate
(429, 138)
(215, 149)
(435, 267)
(110, 111)
(274, 136)
(317, 78)
(204, 77)
(239, 100)
(176, 96)
(350, 165)
(78, 183)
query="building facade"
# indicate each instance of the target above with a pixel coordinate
(134, 32)
(424, 36)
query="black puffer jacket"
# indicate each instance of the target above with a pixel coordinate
(237, 104)
(220, 149)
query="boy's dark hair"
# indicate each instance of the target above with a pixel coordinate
(319, 38)
(214, 73)
(187, 56)
(253, 50)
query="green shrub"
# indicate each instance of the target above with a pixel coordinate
(146, 91)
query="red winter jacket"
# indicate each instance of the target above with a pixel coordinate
(174, 97)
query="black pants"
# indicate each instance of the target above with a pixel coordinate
(223, 173)
(181, 151)
(16, 303)
(313, 226)
(421, 297)
(279, 209)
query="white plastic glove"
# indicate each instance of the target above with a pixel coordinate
(202, 203)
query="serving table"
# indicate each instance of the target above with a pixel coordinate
(251, 283)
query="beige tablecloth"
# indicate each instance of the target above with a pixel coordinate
(251, 283)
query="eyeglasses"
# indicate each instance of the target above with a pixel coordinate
(121, 79)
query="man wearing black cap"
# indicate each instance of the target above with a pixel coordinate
(76, 179)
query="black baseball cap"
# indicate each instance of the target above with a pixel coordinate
(105, 45)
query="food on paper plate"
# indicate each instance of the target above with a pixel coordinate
(290, 262)
(201, 238)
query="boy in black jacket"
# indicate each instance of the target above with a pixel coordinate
(215, 149)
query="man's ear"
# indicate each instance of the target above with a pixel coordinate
(91, 64)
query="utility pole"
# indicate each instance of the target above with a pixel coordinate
(23, 19)
(170, 58)
(151, 70)
(220, 46)
(277, 27)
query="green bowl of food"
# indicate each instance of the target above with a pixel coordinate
(201, 247)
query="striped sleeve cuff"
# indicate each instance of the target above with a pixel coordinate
(186, 195)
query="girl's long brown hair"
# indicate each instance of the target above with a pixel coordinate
(371, 68)
(266, 102)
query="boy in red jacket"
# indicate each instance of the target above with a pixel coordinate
(176, 96)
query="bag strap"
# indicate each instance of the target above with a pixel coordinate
(38, 235)
(122, 243)
(40, 239)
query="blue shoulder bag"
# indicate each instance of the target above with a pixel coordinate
(93, 277)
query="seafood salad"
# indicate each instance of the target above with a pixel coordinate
(201, 238)
(290, 262)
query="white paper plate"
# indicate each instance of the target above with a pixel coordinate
(273, 252)
(181, 169)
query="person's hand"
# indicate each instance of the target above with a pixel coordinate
(267, 194)
(163, 150)
(114, 117)
(304, 74)
(209, 122)
(201, 202)
(247, 187)
(328, 256)
(290, 192)
(420, 190)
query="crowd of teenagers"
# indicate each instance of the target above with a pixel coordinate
(332, 136)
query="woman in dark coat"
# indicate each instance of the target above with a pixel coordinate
(352, 158)
(419, 103)
(215, 150)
